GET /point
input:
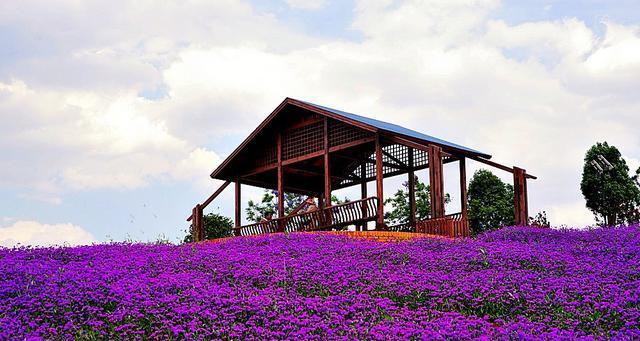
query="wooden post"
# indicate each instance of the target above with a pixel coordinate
(327, 173)
(280, 184)
(521, 209)
(464, 202)
(436, 182)
(379, 190)
(238, 216)
(199, 222)
(412, 191)
(363, 192)
(194, 224)
(327, 169)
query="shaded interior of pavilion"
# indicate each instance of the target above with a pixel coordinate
(313, 151)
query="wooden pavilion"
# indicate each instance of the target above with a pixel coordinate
(312, 150)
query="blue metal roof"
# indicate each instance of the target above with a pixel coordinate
(394, 128)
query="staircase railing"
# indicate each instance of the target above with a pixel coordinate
(336, 216)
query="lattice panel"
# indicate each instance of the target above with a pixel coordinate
(420, 158)
(340, 133)
(399, 153)
(307, 139)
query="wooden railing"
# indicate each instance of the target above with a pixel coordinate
(404, 227)
(451, 225)
(350, 213)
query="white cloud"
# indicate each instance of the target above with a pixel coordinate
(536, 94)
(28, 232)
(307, 4)
(89, 141)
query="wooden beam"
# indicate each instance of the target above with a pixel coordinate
(274, 186)
(312, 173)
(199, 223)
(363, 193)
(399, 163)
(394, 173)
(212, 196)
(311, 155)
(463, 189)
(436, 182)
(499, 166)
(327, 169)
(521, 209)
(260, 169)
(412, 190)
(373, 162)
(304, 123)
(327, 113)
(445, 151)
(194, 224)
(280, 178)
(415, 145)
(351, 144)
(215, 194)
(379, 183)
(238, 204)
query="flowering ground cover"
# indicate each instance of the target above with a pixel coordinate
(516, 283)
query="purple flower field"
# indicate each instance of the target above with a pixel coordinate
(517, 283)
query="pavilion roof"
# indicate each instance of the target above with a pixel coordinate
(294, 107)
(400, 130)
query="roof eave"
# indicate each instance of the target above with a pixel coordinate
(253, 134)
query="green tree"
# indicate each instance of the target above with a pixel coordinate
(490, 202)
(540, 220)
(337, 201)
(399, 213)
(215, 226)
(609, 191)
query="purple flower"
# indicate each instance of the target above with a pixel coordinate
(516, 283)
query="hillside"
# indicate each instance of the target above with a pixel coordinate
(514, 283)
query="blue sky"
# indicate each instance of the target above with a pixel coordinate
(115, 113)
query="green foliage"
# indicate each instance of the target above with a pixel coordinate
(255, 211)
(490, 202)
(215, 226)
(337, 201)
(540, 220)
(399, 213)
(610, 192)
(269, 204)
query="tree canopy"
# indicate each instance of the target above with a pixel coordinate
(609, 190)
(399, 213)
(269, 205)
(215, 226)
(490, 202)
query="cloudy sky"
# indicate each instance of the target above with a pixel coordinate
(114, 112)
